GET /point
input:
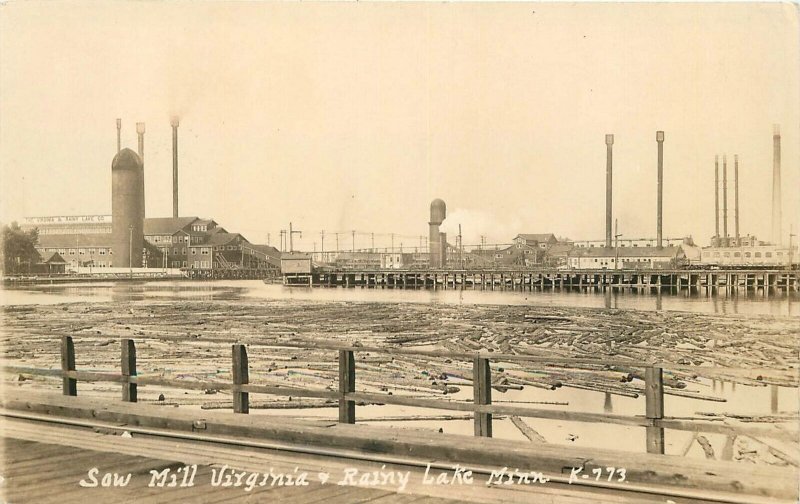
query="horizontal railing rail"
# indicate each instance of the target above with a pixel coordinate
(654, 419)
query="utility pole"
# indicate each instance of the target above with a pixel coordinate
(337, 242)
(616, 245)
(322, 244)
(393, 243)
(372, 237)
(292, 232)
(460, 249)
(130, 251)
(354, 240)
(791, 247)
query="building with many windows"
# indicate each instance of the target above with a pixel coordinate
(626, 257)
(182, 242)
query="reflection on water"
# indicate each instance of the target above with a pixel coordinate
(777, 303)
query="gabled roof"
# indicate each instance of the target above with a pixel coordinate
(538, 237)
(266, 249)
(52, 258)
(670, 252)
(560, 249)
(167, 225)
(222, 239)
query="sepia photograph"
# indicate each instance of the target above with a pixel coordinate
(399, 252)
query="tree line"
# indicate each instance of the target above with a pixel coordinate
(18, 249)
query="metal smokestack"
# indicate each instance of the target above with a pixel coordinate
(736, 195)
(140, 133)
(119, 135)
(725, 199)
(776, 184)
(609, 144)
(174, 123)
(660, 140)
(716, 197)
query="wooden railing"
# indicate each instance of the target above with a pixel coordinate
(482, 408)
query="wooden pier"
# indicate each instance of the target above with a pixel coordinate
(708, 281)
(649, 474)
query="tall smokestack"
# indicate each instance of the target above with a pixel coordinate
(609, 144)
(725, 199)
(716, 197)
(736, 195)
(660, 140)
(119, 135)
(776, 185)
(174, 123)
(140, 134)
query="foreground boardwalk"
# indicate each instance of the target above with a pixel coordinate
(51, 442)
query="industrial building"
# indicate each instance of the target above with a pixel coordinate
(731, 249)
(751, 253)
(542, 240)
(627, 258)
(127, 239)
(168, 243)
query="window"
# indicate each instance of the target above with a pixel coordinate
(174, 251)
(780, 254)
(184, 264)
(183, 251)
(157, 239)
(71, 251)
(727, 254)
(747, 254)
(768, 254)
(204, 250)
(758, 254)
(81, 251)
(716, 254)
(737, 254)
(91, 251)
(102, 251)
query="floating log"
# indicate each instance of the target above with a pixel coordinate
(527, 430)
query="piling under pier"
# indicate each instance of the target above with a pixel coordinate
(692, 280)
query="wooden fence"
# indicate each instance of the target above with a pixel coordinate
(482, 408)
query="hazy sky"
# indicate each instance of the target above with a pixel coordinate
(342, 116)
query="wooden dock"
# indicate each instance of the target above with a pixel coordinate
(677, 280)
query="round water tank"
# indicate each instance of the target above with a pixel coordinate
(438, 211)
(127, 214)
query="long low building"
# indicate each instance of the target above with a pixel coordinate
(182, 242)
(627, 257)
(753, 255)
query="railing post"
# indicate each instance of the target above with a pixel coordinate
(347, 383)
(241, 376)
(654, 408)
(128, 370)
(69, 386)
(482, 395)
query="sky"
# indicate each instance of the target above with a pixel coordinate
(354, 116)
